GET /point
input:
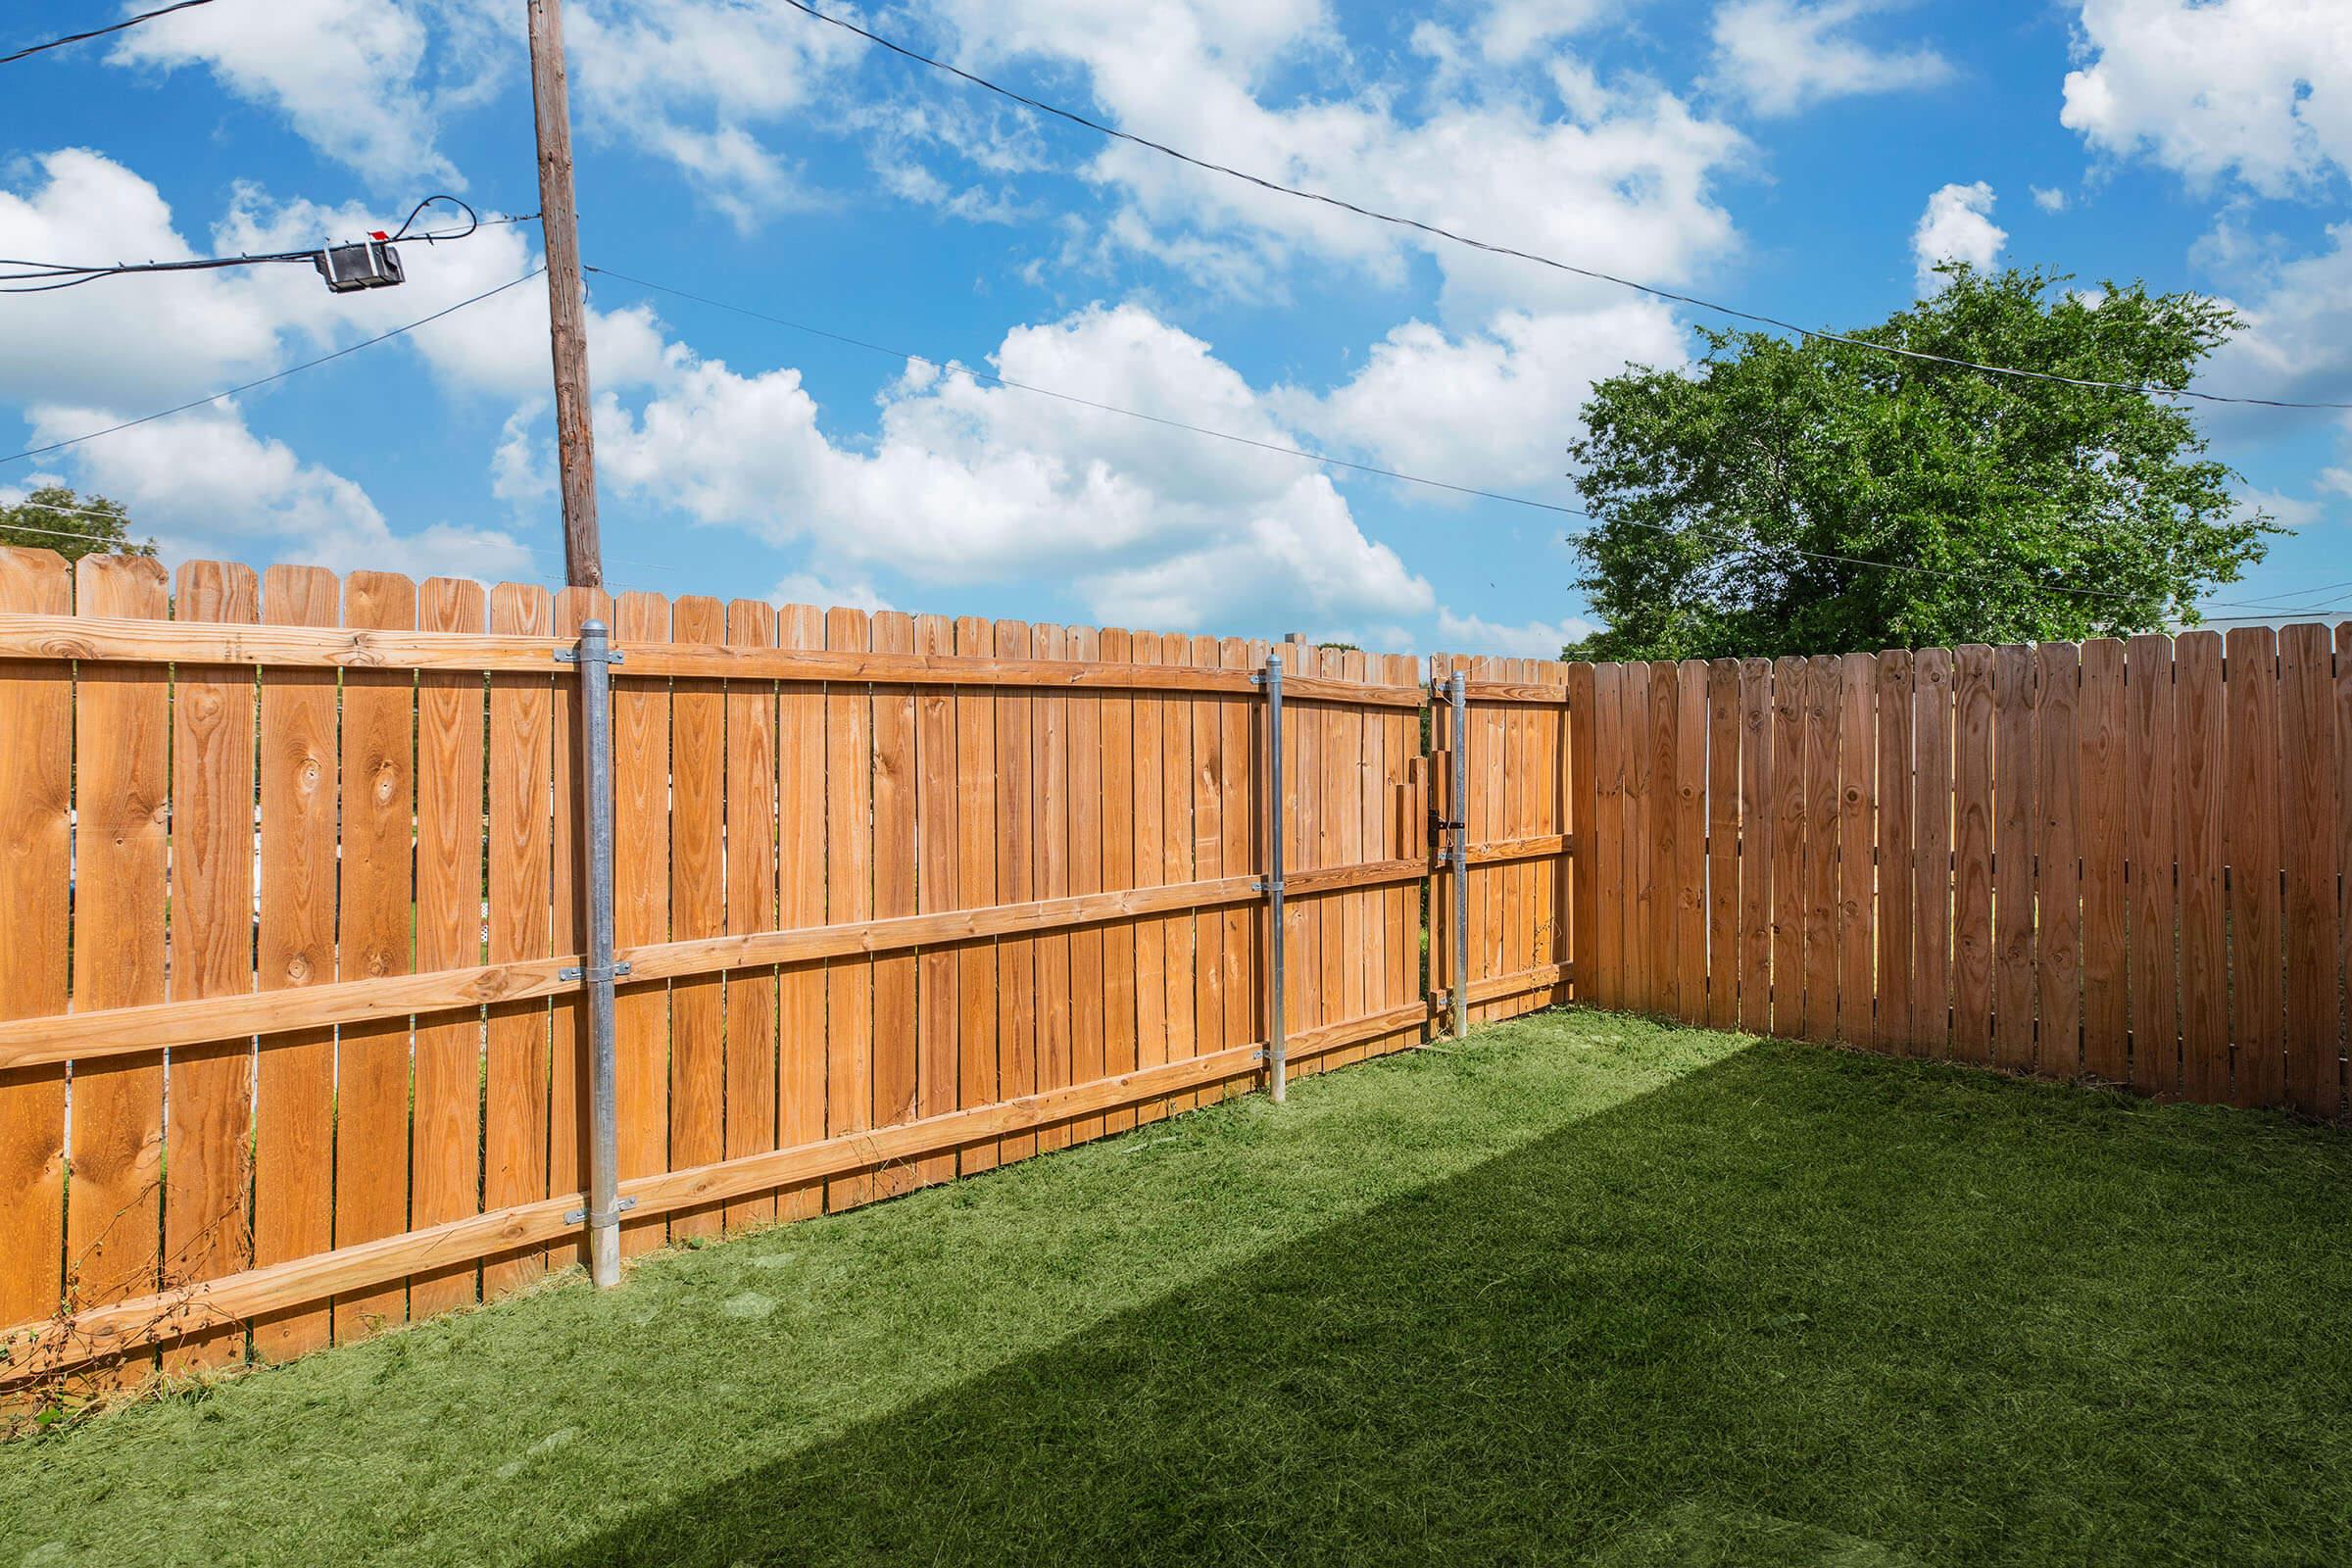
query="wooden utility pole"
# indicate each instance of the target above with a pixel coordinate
(566, 300)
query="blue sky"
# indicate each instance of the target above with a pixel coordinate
(1798, 156)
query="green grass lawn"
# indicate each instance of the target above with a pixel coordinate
(1583, 1289)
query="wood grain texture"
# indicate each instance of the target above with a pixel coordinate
(698, 908)
(2013, 751)
(802, 873)
(376, 937)
(894, 824)
(519, 923)
(1691, 841)
(2101, 832)
(975, 717)
(1016, 879)
(1119, 1045)
(1932, 813)
(122, 746)
(1824, 813)
(1150, 870)
(208, 1174)
(1898, 863)
(1723, 843)
(445, 1128)
(1050, 783)
(1973, 834)
(1606, 836)
(2309, 808)
(2057, 860)
(1582, 762)
(1791, 710)
(849, 895)
(1176, 866)
(2204, 909)
(2151, 796)
(294, 1115)
(751, 996)
(36, 805)
(1757, 856)
(937, 867)
(1089, 1023)
(1857, 814)
(2251, 839)
(641, 890)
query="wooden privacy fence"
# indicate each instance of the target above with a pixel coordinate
(2116, 860)
(292, 1034)
(296, 971)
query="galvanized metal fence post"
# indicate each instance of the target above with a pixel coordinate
(1456, 694)
(1277, 1056)
(594, 657)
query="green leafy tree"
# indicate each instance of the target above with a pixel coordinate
(55, 518)
(1744, 509)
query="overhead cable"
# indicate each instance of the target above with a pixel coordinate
(42, 277)
(100, 32)
(280, 375)
(1438, 231)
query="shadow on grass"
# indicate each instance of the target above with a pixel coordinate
(1796, 1308)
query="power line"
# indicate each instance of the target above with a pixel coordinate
(291, 369)
(42, 277)
(2145, 389)
(100, 32)
(1734, 545)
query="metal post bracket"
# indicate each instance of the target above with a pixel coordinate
(593, 973)
(573, 655)
(603, 1218)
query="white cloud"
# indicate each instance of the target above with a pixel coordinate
(1619, 177)
(98, 345)
(2261, 89)
(1492, 410)
(968, 483)
(695, 81)
(1957, 227)
(807, 588)
(205, 485)
(1535, 639)
(1513, 30)
(2296, 342)
(2292, 512)
(1784, 56)
(2049, 200)
(354, 78)
(83, 344)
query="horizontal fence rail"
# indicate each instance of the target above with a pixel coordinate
(2116, 860)
(292, 981)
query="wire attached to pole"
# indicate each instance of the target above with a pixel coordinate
(1438, 231)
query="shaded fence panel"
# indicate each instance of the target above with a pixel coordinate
(2120, 862)
(288, 980)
